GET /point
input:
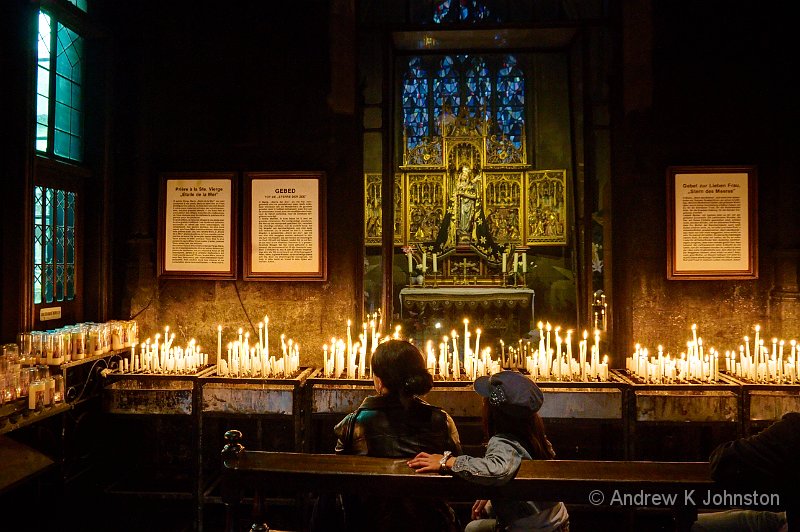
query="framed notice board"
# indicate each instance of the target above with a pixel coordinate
(712, 222)
(197, 226)
(285, 237)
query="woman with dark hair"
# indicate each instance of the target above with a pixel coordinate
(516, 433)
(396, 423)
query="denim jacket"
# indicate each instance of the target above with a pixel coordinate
(500, 464)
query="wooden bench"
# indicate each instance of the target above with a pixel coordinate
(571, 481)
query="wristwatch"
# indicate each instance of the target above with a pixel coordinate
(443, 469)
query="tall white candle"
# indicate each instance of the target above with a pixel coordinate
(424, 261)
(757, 342)
(435, 263)
(410, 264)
(266, 336)
(503, 262)
(219, 343)
(547, 344)
(466, 336)
(525, 262)
(349, 339)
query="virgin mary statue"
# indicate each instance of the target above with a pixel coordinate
(464, 223)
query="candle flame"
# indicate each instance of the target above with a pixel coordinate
(219, 328)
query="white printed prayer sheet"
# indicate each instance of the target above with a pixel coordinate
(198, 226)
(286, 227)
(712, 224)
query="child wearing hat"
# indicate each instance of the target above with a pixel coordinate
(516, 432)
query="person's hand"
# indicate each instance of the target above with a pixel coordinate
(425, 463)
(479, 509)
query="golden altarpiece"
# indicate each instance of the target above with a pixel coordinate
(468, 208)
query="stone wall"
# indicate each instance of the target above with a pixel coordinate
(245, 88)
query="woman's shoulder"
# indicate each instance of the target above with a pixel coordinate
(421, 403)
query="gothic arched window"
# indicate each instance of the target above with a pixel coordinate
(463, 84)
(415, 102)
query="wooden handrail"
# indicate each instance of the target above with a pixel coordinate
(570, 481)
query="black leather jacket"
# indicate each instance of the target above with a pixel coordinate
(385, 427)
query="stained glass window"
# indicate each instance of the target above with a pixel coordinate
(59, 90)
(459, 11)
(510, 114)
(491, 86)
(43, 82)
(53, 245)
(415, 102)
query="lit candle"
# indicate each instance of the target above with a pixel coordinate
(219, 342)
(349, 339)
(547, 345)
(569, 346)
(477, 341)
(597, 341)
(466, 336)
(266, 336)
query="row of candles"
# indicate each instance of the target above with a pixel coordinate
(346, 358)
(244, 358)
(162, 357)
(76, 342)
(763, 365)
(702, 364)
(461, 357)
(559, 364)
(519, 262)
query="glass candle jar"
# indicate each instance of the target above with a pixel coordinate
(58, 394)
(79, 343)
(36, 395)
(37, 343)
(25, 342)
